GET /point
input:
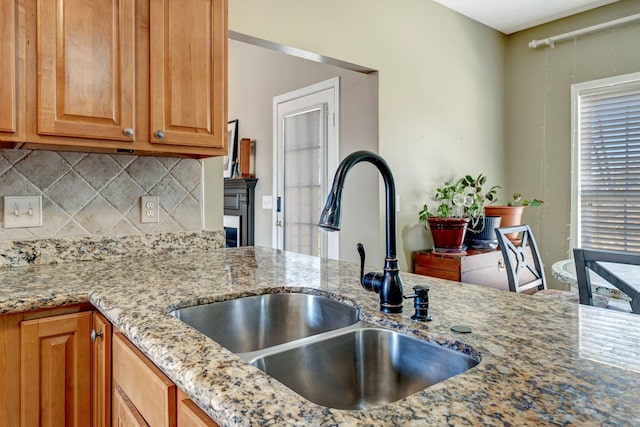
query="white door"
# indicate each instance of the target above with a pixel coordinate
(305, 159)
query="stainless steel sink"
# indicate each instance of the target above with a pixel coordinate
(363, 368)
(317, 347)
(252, 323)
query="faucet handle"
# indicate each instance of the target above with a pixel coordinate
(369, 281)
(360, 247)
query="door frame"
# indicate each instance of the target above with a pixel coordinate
(332, 152)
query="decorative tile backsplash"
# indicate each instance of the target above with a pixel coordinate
(99, 194)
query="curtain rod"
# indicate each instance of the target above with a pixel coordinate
(550, 41)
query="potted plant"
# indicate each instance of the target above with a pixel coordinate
(481, 229)
(448, 222)
(511, 213)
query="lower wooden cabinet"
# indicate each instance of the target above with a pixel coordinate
(51, 373)
(152, 394)
(189, 415)
(55, 362)
(65, 367)
(125, 414)
(143, 395)
(101, 372)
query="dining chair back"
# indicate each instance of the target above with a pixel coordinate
(524, 272)
(602, 263)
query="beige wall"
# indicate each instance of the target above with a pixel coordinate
(256, 75)
(538, 114)
(441, 95)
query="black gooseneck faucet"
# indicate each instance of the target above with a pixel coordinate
(388, 283)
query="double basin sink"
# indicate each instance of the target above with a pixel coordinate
(319, 348)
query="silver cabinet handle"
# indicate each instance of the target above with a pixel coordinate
(95, 335)
(159, 134)
(128, 131)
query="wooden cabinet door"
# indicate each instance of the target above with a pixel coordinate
(12, 71)
(86, 68)
(10, 369)
(101, 374)
(149, 390)
(189, 415)
(55, 367)
(188, 67)
(125, 413)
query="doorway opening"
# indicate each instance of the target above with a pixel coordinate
(306, 155)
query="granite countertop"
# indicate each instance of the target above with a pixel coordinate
(543, 362)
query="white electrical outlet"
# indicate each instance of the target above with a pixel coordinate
(149, 209)
(267, 202)
(22, 211)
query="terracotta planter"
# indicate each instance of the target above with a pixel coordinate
(511, 215)
(448, 234)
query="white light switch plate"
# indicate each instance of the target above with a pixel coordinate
(267, 202)
(22, 211)
(149, 209)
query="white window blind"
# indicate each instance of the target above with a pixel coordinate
(608, 202)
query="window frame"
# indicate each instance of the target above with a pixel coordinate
(577, 90)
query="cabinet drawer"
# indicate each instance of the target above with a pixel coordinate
(148, 389)
(189, 415)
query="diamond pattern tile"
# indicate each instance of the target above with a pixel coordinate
(95, 167)
(42, 167)
(124, 228)
(4, 165)
(123, 193)
(196, 193)
(185, 218)
(72, 157)
(123, 160)
(99, 194)
(166, 225)
(71, 193)
(14, 155)
(133, 216)
(188, 173)
(169, 162)
(15, 184)
(56, 219)
(72, 229)
(171, 193)
(98, 216)
(146, 171)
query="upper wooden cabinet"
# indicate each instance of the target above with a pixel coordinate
(188, 80)
(12, 78)
(86, 68)
(142, 77)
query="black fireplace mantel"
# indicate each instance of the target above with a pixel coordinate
(239, 200)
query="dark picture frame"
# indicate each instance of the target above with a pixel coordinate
(230, 160)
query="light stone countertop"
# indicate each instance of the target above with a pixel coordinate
(539, 358)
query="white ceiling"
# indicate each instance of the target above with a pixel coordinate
(509, 16)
